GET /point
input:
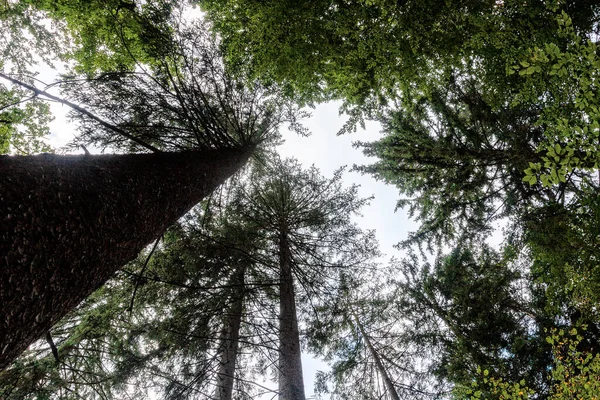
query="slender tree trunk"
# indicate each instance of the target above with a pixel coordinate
(67, 223)
(291, 382)
(380, 367)
(230, 341)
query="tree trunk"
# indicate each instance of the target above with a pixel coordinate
(67, 223)
(230, 341)
(380, 367)
(291, 383)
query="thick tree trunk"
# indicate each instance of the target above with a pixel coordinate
(67, 223)
(291, 382)
(230, 342)
(393, 394)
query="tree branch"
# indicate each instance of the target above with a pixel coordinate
(139, 277)
(80, 110)
(52, 346)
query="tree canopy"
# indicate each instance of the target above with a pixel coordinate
(489, 115)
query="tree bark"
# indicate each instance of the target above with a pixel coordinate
(380, 367)
(67, 223)
(230, 342)
(291, 382)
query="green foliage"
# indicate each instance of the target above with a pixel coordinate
(574, 374)
(564, 74)
(563, 242)
(25, 41)
(493, 388)
(470, 308)
(88, 36)
(111, 35)
(371, 52)
(23, 124)
(350, 50)
(28, 38)
(458, 159)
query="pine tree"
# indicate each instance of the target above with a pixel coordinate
(229, 339)
(360, 333)
(477, 308)
(163, 324)
(69, 222)
(306, 219)
(205, 296)
(460, 161)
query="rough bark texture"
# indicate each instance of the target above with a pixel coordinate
(230, 343)
(291, 382)
(67, 223)
(380, 367)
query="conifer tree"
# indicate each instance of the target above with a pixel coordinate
(360, 333)
(72, 221)
(306, 219)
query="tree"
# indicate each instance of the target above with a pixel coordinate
(360, 50)
(305, 219)
(72, 221)
(478, 309)
(230, 340)
(360, 332)
(23, 119)
(574, 373)
(490, 113)
(96, 36)
(560, 76)
(228, 259)
(561, 240)
(353, 47)
(459, 160)
(166, 323)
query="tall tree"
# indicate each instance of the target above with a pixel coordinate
(291, 381)
(385, 376)
(166, 323)
(195, 275)
(306, 219)
(360, 332)
(477, 308)
(73, 220)
(460, 160)
(230, 338)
